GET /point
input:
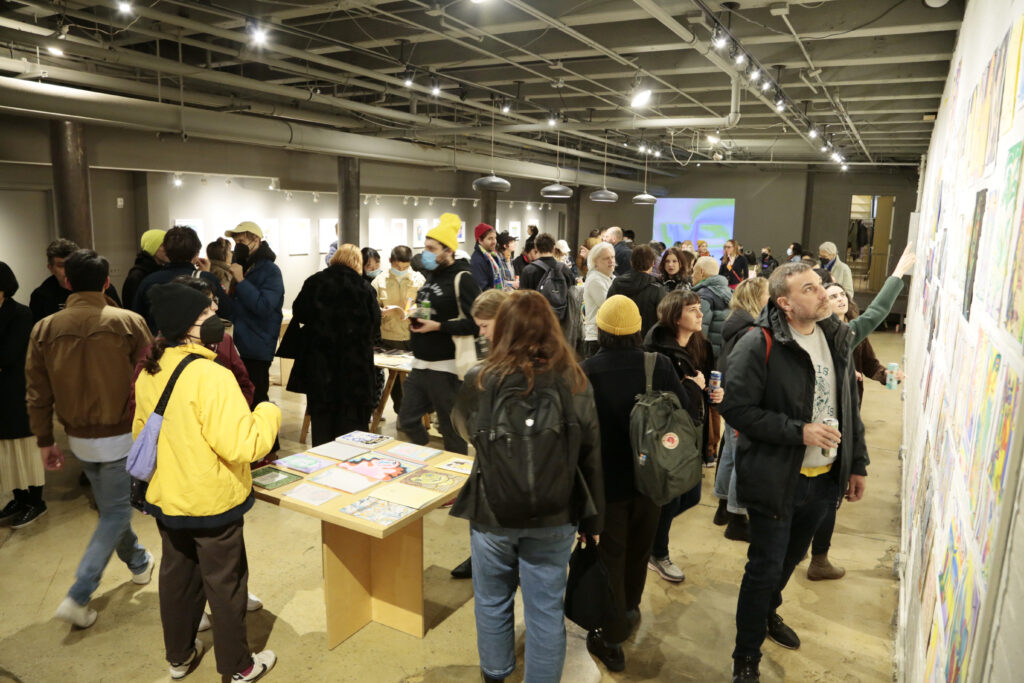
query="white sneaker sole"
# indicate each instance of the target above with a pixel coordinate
(660, 572)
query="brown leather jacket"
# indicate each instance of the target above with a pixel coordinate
(80, 362)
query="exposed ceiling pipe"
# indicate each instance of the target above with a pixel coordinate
(28, 98)
(730, 120)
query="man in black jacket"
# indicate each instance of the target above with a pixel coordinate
(529, 254)
(788, 376)
(639, 285)
(434, 381)
(623, 251)
(151, 258)
(53, 293)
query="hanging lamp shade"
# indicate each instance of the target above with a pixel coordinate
(604, 195)
(644, 198)
(556, 191)
(491, 183)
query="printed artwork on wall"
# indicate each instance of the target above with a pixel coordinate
(271, 233)
(419, 231)
(515, 229)
(462, 232)
(297, 235)
(327, 234)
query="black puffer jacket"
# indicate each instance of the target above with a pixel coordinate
(144, 266)
(339, 317)
(586, 507)
(769, 398)
(645, 291)
(715, 296)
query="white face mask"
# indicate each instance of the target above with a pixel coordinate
(789, 252)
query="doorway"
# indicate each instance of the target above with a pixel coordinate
(868, 239)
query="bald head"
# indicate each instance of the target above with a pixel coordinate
(613, 235)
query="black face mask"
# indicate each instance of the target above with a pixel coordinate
(211, 331)
(824, 262)
(240, 255)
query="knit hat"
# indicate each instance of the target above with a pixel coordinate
(481, 230)
(8, 283)
(175, 308)
(447, 231)
(618, 315)
(245, 226)
(151, 241)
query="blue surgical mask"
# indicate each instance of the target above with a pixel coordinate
(373, 273)
(399, 273)
(429, 260)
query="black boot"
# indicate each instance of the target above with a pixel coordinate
(745, 670)
(738, 528)
(610, 655)
(721, 514)
(15, 507)
(464, 570)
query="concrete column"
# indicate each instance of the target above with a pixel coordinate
(572, 219)
(348, 200)
(488, 207)
(71, 182)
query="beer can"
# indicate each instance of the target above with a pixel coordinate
(715, 380)
(830, 452)
(890, 376)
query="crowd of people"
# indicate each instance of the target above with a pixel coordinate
(546, 349)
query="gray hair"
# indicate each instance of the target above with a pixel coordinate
(829, 248)
(595, 253)
(778, 283)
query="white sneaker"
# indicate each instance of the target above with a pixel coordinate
(666, 569)
(179, 671)
(253, 603)
(144, 577)
(75, 614)
(204, 623)
(262, 662)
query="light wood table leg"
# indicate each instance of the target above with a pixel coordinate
(384, 396)
(368, 579)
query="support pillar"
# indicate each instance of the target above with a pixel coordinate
(348, 200)
(572, 219)
(488, 207)
(71, 182)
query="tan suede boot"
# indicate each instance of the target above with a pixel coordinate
(820, 569)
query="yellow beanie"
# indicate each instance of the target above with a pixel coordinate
(151, 241)
(618, 315)
(447, 231)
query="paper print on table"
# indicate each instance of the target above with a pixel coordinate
(432, 480)
(312, 494)
(337, 450)
(420, 226)
(343, 480)
(327, 234)
(380, 467)
(972, 251)
(457, 465)
(411, 496)
(303, 462)
(271, 478)
(377, 511)
(368, 439)
(297, 235)
(402, 449)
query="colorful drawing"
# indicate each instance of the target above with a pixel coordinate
(380, 467)
(377, 511)
(302, 462)
(442, 482)
(458, 465)
(272, 478)
(972, 251)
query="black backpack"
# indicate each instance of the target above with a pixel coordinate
(554, 288)
(527, 450)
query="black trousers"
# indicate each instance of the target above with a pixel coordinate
(625, 547)
(259, 374)
(329, 421)
(431, 391)
(396, 391)
(200, 566)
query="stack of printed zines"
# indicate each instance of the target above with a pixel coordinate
(399, 473)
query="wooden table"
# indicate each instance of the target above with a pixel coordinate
(371, 572)
(396, 373)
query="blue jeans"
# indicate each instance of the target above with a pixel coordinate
(776, 546)
(111, 486)
(725, 477)
(540, 558)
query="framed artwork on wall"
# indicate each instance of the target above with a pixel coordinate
(419, 231)
(327, 233)
(271, 233)
(462, 232)
(297, 236)
(515, 229)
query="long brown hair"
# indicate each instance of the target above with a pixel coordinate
(671, 309)
(528, 339)
(685, 260)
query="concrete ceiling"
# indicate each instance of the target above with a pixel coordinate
(866, 75)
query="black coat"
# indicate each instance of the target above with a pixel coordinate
(738, 322)
(439, 290)
(645, 291)
(15, 328)
(770, 401)
(617, 377)
(739, 271)
(336, 319)
(144, 265)
(140, 304)
(50, 297)
(623, 259)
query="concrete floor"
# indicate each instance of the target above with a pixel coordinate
(686, 633)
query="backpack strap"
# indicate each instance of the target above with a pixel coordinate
(161, 406)
(458, 299)
(767, 344)
(650, 359)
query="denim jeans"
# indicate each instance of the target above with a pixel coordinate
(776, 546)
(670, 511)
(725, 477)
(540, 558)
(111, 486)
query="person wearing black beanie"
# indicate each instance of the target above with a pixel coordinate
(175, 309)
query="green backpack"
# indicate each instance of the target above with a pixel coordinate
(665, 441)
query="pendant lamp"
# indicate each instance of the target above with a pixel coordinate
(644, 198)
(556, 190)
(604, 195)
(492, 182)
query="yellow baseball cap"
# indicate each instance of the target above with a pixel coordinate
(245, 226)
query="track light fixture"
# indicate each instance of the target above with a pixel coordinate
(316, 197)
(435, 88)
(754, 75)
(718, 39)
(740, 59)
(366, 199)
(812, 133)
(124, 7)
(415, 201)
(824, 148)
(376, 200)
(845, 167)
(288, 196)
(552, 119)
(506, 107)
(259, 36)
(177, 180)
(713, 138)
(408, 78)
(765, 86)
(641, 98)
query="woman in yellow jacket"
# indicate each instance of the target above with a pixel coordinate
(201, 487)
